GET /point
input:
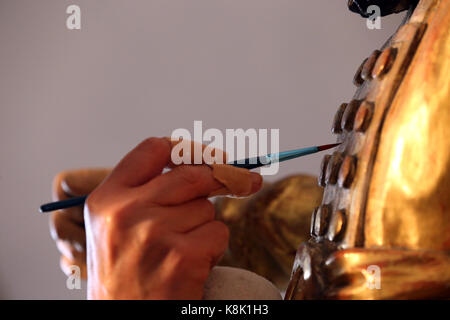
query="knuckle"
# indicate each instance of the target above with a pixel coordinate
(152, 235)
(91, 203)
(119, 216)
(100, 199)
(94, 207)
(80, 246)
(60, 176)
(193, 176)
(180, 256)
(64, 265)
(187, 262)
(188, 174)
(67, 250)
(77, 182)
(114, 212)
(57, 182)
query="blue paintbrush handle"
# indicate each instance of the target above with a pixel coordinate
(250, 163)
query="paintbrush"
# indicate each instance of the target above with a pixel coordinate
(249, 163)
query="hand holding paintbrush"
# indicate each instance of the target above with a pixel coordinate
(250, 163)
(158, 226)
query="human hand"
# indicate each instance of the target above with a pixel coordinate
(151, 235)
(67, 226)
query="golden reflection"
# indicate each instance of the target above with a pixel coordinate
(410, 148)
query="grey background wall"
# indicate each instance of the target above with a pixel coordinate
(82, 98)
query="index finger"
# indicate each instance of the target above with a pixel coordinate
(188, 182)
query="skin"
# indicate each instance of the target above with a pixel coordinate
(148, 234)
(67, 226)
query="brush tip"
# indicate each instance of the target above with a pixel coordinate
(327, 146)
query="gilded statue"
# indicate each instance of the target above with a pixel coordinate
(375, 223)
